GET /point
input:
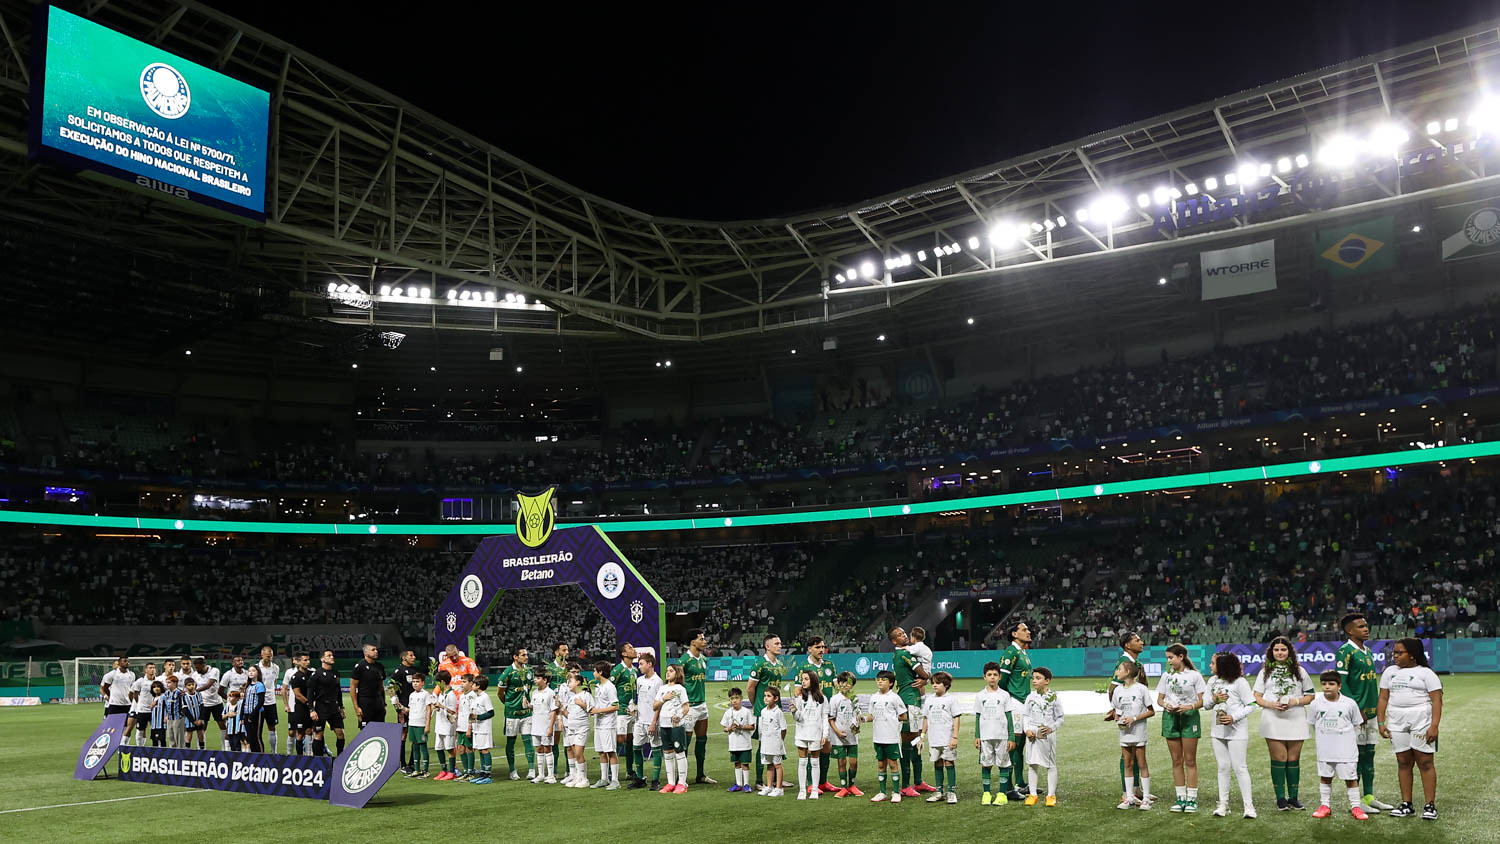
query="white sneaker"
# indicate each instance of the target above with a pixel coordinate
(879, 797)
(514, 775)
(1250, 812)
(761, 790)
(935, 797)
(1144, 805)
(1370, 808)
(550, 780)
(801, 794)
(812, 793)
(1127, 803)
(1221, 810)
(952, 797)
(1379, 804)
(777, 792)
(614, 785)
(896, 797)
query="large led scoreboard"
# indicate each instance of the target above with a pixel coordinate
(107, 102)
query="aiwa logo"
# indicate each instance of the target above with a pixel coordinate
(365, 765)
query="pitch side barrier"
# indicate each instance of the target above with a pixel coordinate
(1457, 656)
(1270, 471)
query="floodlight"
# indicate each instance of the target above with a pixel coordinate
(1161, 195)
(1485, 119)
(1247, 173)
(1001, 234)
(1037, 227)
(867, 269)
(921, 256)
(839, 278)
(1175, 193)
(1109, 208)
(1265, 169)
(1450, 124)
(1061, 221)
(973, 243)
(1048, 225)
(1339, 151)
(332, 287)
(1143, 200)
(1433, 127)
(1283, 165)
(427, 293)
(1211, 183)
(1231, 179)
(489, 295)
(391, 339)
(452, 294)
(385, 290)
(1301, 159)
(395, 291)
(1191, 189)
(1388, 138)
(1082, 214)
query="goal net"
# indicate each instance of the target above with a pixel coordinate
(82, 676)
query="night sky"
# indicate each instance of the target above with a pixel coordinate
(750, 110)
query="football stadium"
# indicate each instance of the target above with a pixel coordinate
(357, 474)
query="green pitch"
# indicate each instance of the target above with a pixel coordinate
(39, 745)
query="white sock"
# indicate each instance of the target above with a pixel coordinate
(544, 764)
(671, 759)
(682, 767)
(1181, 792)
(1034, 777)
(614, 772)
(1145, 787)
(802, 774)
(1353, 796)
(1051, 782)
(1192, 794)
(817, 768)
(272, 743)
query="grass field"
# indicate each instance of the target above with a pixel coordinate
(39, 745)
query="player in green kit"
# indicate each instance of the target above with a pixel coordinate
(817, 662)
(909, 678)
(623, 677)
(694, 674)
(557, 669)
(769, 670)
(1130, 653)
(1355, 663)
(1015, 679)
(515, 693)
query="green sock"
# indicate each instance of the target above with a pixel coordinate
(484, 762)
(984, 777)
(1293, 777)
(760, 769)
(510, 752)
(916, 765)
(1018, 759)
(905, 765)
(952, 779)
(881, 778)
(442, 759)
(1278, 778)
(656, 759)
(1366, 767)
(1124, 786)
(530, 752)
(426, 759)
(1006, 786)
(700, 753)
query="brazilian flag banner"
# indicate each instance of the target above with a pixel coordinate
(1366, 246)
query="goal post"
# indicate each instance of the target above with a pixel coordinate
(82, 676)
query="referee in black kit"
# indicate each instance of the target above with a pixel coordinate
(327, 704)
(367, 688)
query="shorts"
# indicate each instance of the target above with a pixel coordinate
(331, 718)
(117, 709)
(695, 714)
(1408, 727)
(740, 757)
(463, 740)
(1181, 725)
(845, 751)
(235, 740)
(624, 726)
(141, 717)
(445, 741)
(268, 715)
(771, 758)
(888, 751)
(374, 712)
(604, 740)
(1345, 771)
(416, 735)
(809, 744)
(296, 719)
(993, 752)
(213, 713)
(484, 738)
(576, 738)
(913, 719)
(1367, 733)
(642, 732)
(517, 726)
(674, 738)
(943, 754)
(1042, 752)
(1128, 740)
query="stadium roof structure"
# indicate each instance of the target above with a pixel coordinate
(371, 192)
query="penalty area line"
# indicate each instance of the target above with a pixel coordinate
(95, 802)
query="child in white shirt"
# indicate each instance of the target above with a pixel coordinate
(1230, 699)
(543, 719)
(1336, 719)
(419, 708)
(1133, 705)
(887, 712)
(772, 727)
(1044, 717)
(940, 729)
(811, 711)
(739, 723)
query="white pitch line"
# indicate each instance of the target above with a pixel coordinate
(93, 802)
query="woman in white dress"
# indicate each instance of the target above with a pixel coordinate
(1283, 689)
